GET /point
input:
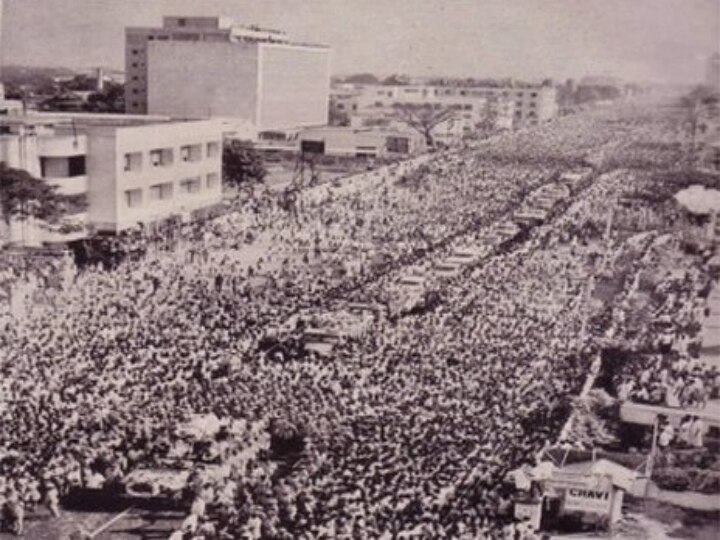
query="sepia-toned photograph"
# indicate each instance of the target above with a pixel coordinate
(359, 269)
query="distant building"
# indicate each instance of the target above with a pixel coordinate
(712, 71)
(342, 142)
(9, 106)
(126, 170)
(509, 106)
(201, 67)
(363, 142)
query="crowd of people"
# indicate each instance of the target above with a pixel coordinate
(408, 431)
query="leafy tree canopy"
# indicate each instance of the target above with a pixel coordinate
(242, 164)
(22, 195)
(362, 78)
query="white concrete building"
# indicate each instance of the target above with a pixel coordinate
(200, 67)
(363, 142)
(126, 170)
(9, 106)
(511, 106)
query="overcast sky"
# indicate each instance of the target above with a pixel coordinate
(663, 40)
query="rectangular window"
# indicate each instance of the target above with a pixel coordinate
(132, 162)
(76, 166)
(213, 149)
(161, 157)
(191, 152)
(190, 185)
(161, 192)
(133, 198)
(186, 37)
(213, 181)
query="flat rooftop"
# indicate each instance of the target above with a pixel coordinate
(92, 119)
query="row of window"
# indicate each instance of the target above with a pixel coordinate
(165, 190)
(164, 157)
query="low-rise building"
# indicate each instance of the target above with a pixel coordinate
(362, 142)
(9, 106)
(507, 106)
(124, 170)
(343, 142)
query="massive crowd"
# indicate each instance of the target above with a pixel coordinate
(408, 431)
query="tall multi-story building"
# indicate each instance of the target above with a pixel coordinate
(199, 67)
(122, 170)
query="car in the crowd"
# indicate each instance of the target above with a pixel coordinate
(320, 341)
(447, 269)
(467, 255)
(530, 217)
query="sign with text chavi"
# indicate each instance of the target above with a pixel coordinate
(588, 500)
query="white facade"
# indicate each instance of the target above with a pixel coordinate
(271, 86)
(510, 106)
(126, 170)
(351, 142)
(207, 67)
(145, 173)
(182, 29)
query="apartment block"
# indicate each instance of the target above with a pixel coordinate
(124, 170)
(202, 67)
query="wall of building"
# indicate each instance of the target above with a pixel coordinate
(203, 79)
(110, 182)
(345, 141)
(136, 70)
(514, 106)
(20, 152)
(294, 86)
(137, 62)
(102, 166)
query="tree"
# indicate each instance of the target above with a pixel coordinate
(111, 99)
(79, 83)
(242, 164)
(362, 78)
(395, 80)
(423, 118)
(22, 196)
